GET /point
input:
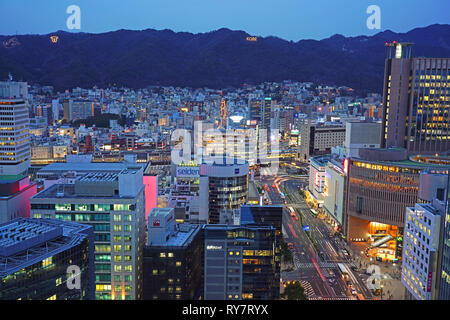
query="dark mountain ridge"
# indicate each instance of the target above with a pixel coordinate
(217, 59)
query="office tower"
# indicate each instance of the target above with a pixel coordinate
(114, 204)
(223, 189)
(422, 243)
(14, 136)
(265, 216)
(82, 109)
(35, 255)
(67, 109)
(259, 111)
(416, 101)
(173, 268)
(241, 263)
(55, 109)
(15, 194)
(317, 139)
(380, 185)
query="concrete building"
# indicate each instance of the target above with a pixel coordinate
(318, 139)
(415, 101)
(114, 204)
(359, 135)
(35, 255)
(13, 89)
(173, 268)
(14, 137)
(422, 239)
(316, 180)
(381, 184)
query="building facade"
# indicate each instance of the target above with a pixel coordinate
(240, 263)
(35, 255)
(173, 258)
(14, 137)
(114, 204)
(416, 101)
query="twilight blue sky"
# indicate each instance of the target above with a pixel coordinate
(288, 19)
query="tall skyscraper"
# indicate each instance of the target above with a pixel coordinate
(260, 110)
(14, 127)
(14, 137)
(416, 101)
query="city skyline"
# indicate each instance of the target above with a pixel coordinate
(225, 168)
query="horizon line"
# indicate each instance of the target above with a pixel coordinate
(216, 30)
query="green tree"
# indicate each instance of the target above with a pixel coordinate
(286, 252)
(294, 291)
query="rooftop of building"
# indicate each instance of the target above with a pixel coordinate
(224, 162)
(67, 191)
(321, 160)
(227, 227)
(396, 156)
(26, 241)
(87, 166)
(184, 235)
(430, 208)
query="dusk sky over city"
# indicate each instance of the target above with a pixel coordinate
(287, 19)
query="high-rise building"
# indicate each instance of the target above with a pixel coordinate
(14, 136)
(241, 263)
(67, 109)
(114, 204)
(35, 256)
(173, 268)
(416, 101)
(422, 239)
(223, 189)
(260, 110)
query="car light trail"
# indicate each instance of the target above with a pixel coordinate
(292, 231)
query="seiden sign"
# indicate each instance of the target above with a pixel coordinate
(188, 172)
